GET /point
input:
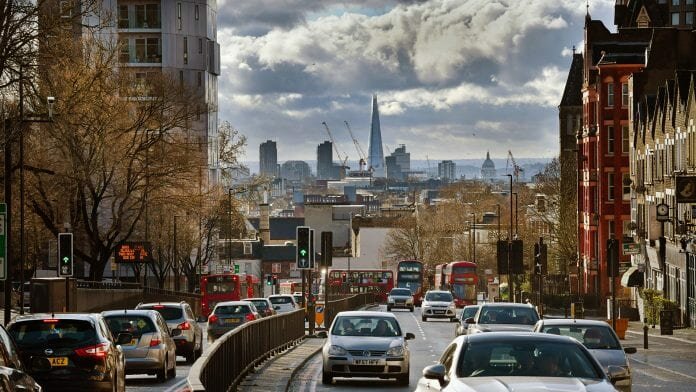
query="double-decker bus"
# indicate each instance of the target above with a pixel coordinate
(409, 274)
(379, 282)
(461, 279)
(227, 287)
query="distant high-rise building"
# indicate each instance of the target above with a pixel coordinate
(398, 163)
(488, 172)
(295, 171)
(325, 161)
(268, 158)
(447, 170)
(375, 155)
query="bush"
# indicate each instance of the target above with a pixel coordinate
(653, 303)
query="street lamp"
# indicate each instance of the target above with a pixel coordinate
(511, 282)
(473, 225)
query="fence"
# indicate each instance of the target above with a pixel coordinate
(349, 303)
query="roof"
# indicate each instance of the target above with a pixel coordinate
(58, 316)
(137, 312)
(572, 94)
(282, 228)
(490, 337)
(278, 252)
(226, 303)
(365, 313)
(506, 305)
(583, 322)
(160, 303)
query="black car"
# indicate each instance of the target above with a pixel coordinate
(12, 372)
(71, 351)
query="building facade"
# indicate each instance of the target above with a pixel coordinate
(447, 170)
(268, 159)
(296, 171)
(325, 161)
(375, 157)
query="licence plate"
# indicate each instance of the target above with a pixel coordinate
(439, 312)
(367, 362)
(133, 342)
(58, 361)
(232, 321)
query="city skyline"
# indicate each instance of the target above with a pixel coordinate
(452, 78)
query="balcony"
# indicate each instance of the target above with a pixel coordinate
(128, 25)
(154, 59)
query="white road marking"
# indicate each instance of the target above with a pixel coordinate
(420, 327)
(176, 386)
(651, 375)
(664, 369)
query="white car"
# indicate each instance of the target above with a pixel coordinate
(366, 344)
(438, 304)
(283, 303)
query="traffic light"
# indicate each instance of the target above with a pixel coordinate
(236, 268)
(65, 254)
(312, 250)
(303, 257)
(502, 257)
(275, 280)
(537, 259)
(516, 257)
(326, 248)
(343, 277)
(269, 280)
(612, 257)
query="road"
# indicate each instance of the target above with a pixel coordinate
(143, 382)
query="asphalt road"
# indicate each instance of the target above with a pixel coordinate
(431, 340)
(143, 382)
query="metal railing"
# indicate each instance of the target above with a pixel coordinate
(155, 290)
(348, 303)
(231, 357)
(88, 284)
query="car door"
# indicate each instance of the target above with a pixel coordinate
(167, 337)
(14, 376)
(198, 334)
(447, 359)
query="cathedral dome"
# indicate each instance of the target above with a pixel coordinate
(488, 163)
(488, 168)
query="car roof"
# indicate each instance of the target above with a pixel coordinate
(582, 322)
(437, 291)
(58, 316)
(365, 313)
(256, 299)
(169, 304)
(490, 337)
(124, 312)
(281, 295)
(230, 303)
(471, 306)
(506, 305)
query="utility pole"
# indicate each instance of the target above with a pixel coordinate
(511, 281)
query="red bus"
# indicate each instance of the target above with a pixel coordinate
(227, 287)
(409, 275)
(362, 281)
(460, 278)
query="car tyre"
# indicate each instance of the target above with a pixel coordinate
(412, 308)
(326, 377)
(403, 379)
(171, 373)
(388, 308)
(424, 319)
(199, 352)
(191, 355)
(162, 373)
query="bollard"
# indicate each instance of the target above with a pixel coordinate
(645, 333)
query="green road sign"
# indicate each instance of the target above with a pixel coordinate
(236, 268)
(3, 242)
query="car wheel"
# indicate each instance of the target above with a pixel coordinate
(326, 377)
(162, 373)
(424, 319)
(388, 308)
(199, 352)
(191, 355)
(171, 373)
(412, 308)
(402, 379)
(453, 319)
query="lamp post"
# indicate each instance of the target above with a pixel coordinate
(517, 227)
(229, 223)
(176, 258)
(473, 225)
(511, 282)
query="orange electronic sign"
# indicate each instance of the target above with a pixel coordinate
(133, 252)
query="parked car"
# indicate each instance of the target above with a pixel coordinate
(13, 375)
(263, 306)
(179, 315)
(152, 349)
(598, 337)
(366, 344)
(298, 297)
(511, 361)
(400, 298)
(229, 315)
(71, 351)
(283, 303)
(501, 316)
(468, 311)
(438, 304)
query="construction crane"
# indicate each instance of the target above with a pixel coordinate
(335, 146)
(358, 148)
(516, 169)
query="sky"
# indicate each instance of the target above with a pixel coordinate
(453, 78)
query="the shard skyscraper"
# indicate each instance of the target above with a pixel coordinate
(375, 155)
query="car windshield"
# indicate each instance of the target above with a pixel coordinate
(169, 313)
(526, 358)
(404, 292)
(53, 333)
(508, 315)
(593, 337)
(136, 325)
(469, 311)
(260, 305)
(439, 297)
(231, 309)
(366, 326)
(280, 300)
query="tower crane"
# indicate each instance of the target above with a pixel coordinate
(358, 148)
(335, 146)
(516, 169)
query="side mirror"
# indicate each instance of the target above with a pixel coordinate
(276, 307)
(616, 373)
(322, 334)
(124, 338)
(470, 320)
(630, 350)
(435, 372)
(176, 332)
(201, 319)
(409, 336)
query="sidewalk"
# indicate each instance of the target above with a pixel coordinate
(685, 335)
(277, 373)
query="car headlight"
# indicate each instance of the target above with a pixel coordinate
(395, 351)
(390, 299)
(410, 300)
(337, 350)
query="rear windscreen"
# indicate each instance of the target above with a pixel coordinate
(55, 333)
(232, 309)
(166, 312)
(136, 325)
(260, 305)
(280, 300)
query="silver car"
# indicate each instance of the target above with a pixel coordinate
(152, 349)
(503, 317)
(438, 304)
(400, 298)
(521, 361)
(599, 338)
(229, 315)
(283, 303)
(366, 344)
(469, 311)
(179, 315)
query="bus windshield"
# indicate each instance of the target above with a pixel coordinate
(464, 270)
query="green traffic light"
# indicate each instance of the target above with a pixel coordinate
(66, 260)
(303, 252)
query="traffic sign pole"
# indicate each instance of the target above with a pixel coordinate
(3, 242)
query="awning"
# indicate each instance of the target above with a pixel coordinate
(632, 278)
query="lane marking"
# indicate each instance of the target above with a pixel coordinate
(649, 374)
(664, 337)
(176, 386)
(664, 369)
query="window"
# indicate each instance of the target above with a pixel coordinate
(675, 18)
(66, 9)
(147, 50)
(611, 229)
(147, 16)
(690, 2)
(123, 17)
(247, 248)
(689, 18)
(610, 186)
(196, 14)
(624, 94)
(626, 228)
(626, 186)
(610, 140)
(178, 15)
(200, 45)
(610, 94)
(676, 2)
(124, 52)
(185, 50)
(625, 141)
